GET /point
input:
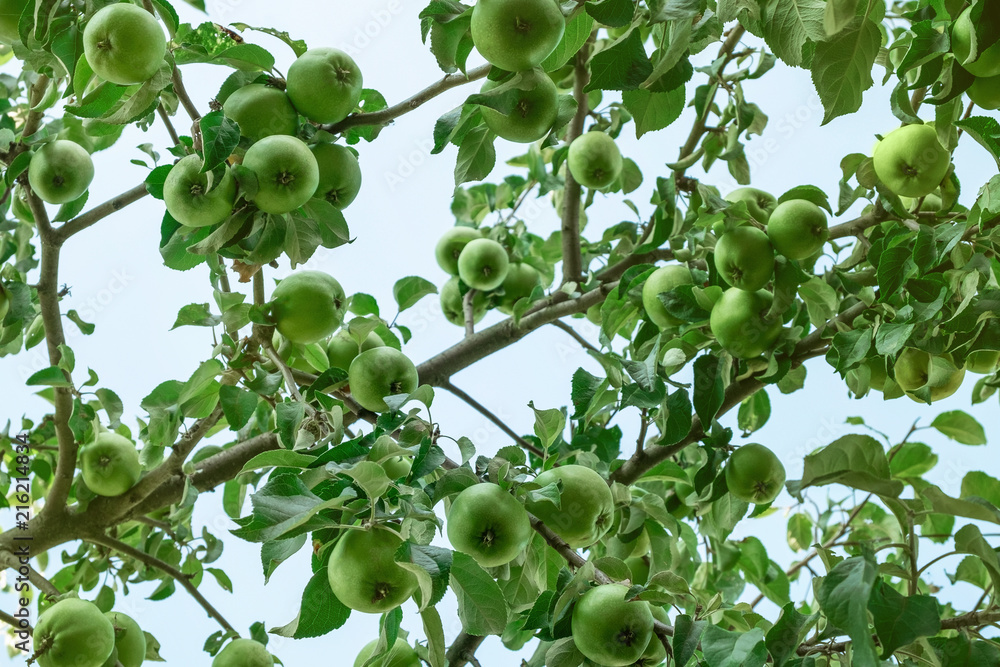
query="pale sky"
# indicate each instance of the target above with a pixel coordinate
(119, 283)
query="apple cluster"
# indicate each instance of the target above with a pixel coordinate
(75, 633)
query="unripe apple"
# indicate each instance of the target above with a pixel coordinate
(400, 655)
(188, 198)
(339, 174)
(739, 322)
(261, 111)
(982, 362)
(610, 630)
(987, 62)
(798, 229)
(124, 44)
(594, 160)
(662, 280)
(73, 633)
(287, 173)
(324, 84)
(744, 258)
(380, 372)
(110, 464)
(130, 642)
(449, 247)
(521, 280)
(483, 264)
(534, 112)
(60, 171)
(308, 306)
(985, 92)
(911, 161)
(243, 653)
(453, 303)
(363, 571)
(342, 348)
(516, 35)
(760, 204)
(754, 474)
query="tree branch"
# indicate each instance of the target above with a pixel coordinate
(469, 312)
(16, 623)
(572, 259)
(99, 212)
(463, 649)
(12, 562)
(559, 324)
(481, 409)
(386, 116)
(156, 563)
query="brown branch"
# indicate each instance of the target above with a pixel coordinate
(16, 623)
(572, 258)
(99, 212)
(174, 573)
(484, 411)
(386, 116)
(463, 649)
(469, 312)
(169, 125)
(13, 562)
(189, 106)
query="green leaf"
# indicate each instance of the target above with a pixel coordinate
(786, 634)
(790, 24)
(624, 66)
(709, 391)
(912, 459)
(284, 507)
(843, 595)
(238, 405)
(960, 651)
(687, 636)
(612, 13)
(984, 130)
(279, 458)
(549, 424)
(220, 135)
(371, 478)
(970, 508)
(837, 14)
(481, 604)
(969, 540)
(577, 31)
(288, 416)
(319, 613)
(653, 111)
(99, 101)
(112, 405)
(298, 46)
(842, 67)
(434, 631)
(408, 291)
(977, 484)
(476, 155)
(53, 376)
(276, 552)
(900, 620)
(857, 461)
(197, 315)
(754, 412)
(432, 567)
(723, 648)
(960, 427)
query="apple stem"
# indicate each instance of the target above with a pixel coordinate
(44, 646)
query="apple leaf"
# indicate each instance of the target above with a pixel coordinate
(319, 613)
(901, 620)
(577, 32)
(790, 24)
(986, 131)
(624, 66)
(653, 111)
(476, 155)
(857, 461)
(297, 45)
(843, 595)
(842, 67)
(434, 631)
(960, 427)
(687, 637)
(723, 647)
(481, 604)
(613, 13)
(408, 291)
(709, 390)
(53, 376)
(197, 315)
(220, 135)
(786, 634)
(432, 567)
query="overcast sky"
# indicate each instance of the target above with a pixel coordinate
(119, 283)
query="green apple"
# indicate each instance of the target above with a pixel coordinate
(985, 92)
(594, 160)
(760, 204)
(483, 264)
(60, 171)
(308, 306)
(738, 321)
(400, 655)
(287, 173)
(342, 348)
(915, 369)
(110, 464)
(188, 198)
(516, 35)
(911, 161)
(983, 362)
(663, 280)
(987, 63)
(520, 282)
(586, 507)
(124, 44)
(397, 466)
(453, 303)
(380, 372)
(609, 630)
(534, 111)
(363, 571)
(744, 258)
(261, 111)
(339, 174)
(449, 247)
(130, 642)
(10, 16)
(798, 229)
(932, 203)
(639, 567)
(243, 653)
(324, 84)
(754, 474)
(489, 524)
(73, 633)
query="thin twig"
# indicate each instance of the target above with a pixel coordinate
(174, 573)
(388, 115)
(99, 212)
(169, 125)
(484, 411)
(469, 312)
(559, 324)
